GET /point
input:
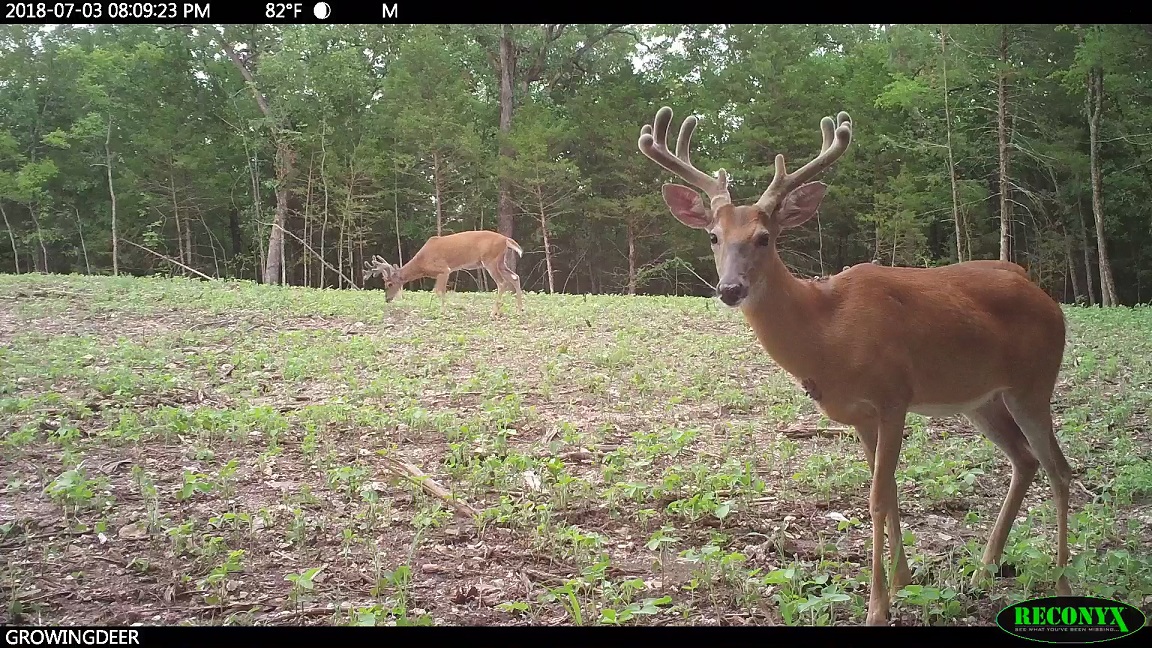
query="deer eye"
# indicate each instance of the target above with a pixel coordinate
(763, 239)
(712, 238)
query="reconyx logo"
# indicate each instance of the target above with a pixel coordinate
(1070, 619)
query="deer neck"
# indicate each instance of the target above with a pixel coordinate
(787, 315)
(411, 271)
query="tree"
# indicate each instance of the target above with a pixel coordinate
(521, 56)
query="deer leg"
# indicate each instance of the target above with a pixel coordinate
(995, 422)
(513, 280)
(499, 281)
(441, 288)
(1033, 413)
(902, 575)
(881, 502)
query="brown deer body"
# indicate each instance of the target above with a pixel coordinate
(873, 343)
(440, 256)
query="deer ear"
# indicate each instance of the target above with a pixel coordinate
(800, 205)
(686, 206)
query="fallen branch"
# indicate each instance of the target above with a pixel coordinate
(169, 260)
(20, 294)
(289, 615)
(1084, 488)
(799, 433)
(415, 475)
(542, 575)
(227, 607)
(111, 466)
(40, 597)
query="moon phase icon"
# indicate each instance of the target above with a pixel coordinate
(322, 10)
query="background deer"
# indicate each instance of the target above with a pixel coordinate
(873, 343)
(440, 256)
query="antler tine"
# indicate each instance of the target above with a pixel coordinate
(684, 140)
(827, 132)
(836, 139)
(653, 143)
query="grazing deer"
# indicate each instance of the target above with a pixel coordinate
(873, 343)
(442, 255)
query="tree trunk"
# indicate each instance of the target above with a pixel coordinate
(324, 188)
(234, 233)
(340, 254)
(254, 177)
(547, 244)
(631, 258)
(1002, 134)
(1077, 285)
(274, 262)
(876, 251)
(506, 216)
(395, 211)
(112, 197)
(39, 237)
(482, 275)
(1095, 109)
(177, 220)
(283, 264)
(83, 245)
(309, 227)
(1089, 276)
(438, 187)
(11, 237)
(188, 241)
(960, 228)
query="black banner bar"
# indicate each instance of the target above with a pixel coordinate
(503, 636)
(169, 12)
(172, 12)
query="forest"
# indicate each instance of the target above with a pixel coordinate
(205, 418)
(290, 154)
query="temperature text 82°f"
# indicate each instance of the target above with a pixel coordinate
(283, 10)
(66, 11)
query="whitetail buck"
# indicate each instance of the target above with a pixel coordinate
(442, 255)
(873, 343)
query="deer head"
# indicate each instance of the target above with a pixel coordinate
(743, 237)
(389, 273)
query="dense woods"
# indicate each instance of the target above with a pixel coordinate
(290, 154)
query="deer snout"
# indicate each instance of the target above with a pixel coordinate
(732, 293)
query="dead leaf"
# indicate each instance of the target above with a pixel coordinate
(133, 531)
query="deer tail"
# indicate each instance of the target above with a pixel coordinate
(515, 247)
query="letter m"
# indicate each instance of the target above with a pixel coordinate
(391, 12)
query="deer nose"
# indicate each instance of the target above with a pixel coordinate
(732, 293)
